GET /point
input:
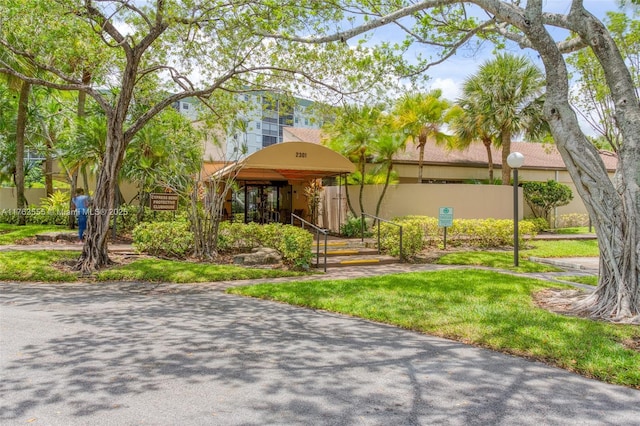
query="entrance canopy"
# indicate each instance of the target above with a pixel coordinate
(290, 161)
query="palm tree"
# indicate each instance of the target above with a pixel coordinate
(351, 135)
(470, 125)
(506, 94)
(385, 148)
(421, 116)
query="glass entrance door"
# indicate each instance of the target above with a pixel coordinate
(259, 203)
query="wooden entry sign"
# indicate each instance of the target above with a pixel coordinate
(162, 201)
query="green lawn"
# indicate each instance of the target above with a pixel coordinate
(575, 230)
(561, 248)
(186, 272)
(484, 308)
(10, 234)
(40, 265)
(493, 259)
(36, 266)
(504, 259)
(589, 280)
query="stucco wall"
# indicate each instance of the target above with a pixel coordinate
(468, 202)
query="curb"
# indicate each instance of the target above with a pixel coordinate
(556, 262)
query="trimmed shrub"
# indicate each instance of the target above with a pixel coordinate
(421, 231)
(539, 223)
(572, 220)
(293, 243)
(165, 239)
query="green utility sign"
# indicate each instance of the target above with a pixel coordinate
(445, 217)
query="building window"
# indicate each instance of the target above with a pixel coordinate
(185, 106)
(258, 125)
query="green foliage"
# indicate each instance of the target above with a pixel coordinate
(421, 231)
(539, 223)
(170, 239)
(542, 197)
(35, 216)
(58, 201)
(571, 220)
(293, 243)
(353, 227)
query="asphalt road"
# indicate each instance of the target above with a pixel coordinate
(119, 354)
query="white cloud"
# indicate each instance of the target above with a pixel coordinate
(450, 88)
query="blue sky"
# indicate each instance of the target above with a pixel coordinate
(450, 75)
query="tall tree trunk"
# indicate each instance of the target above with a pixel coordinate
(420, 158)
(363, 164)
(613, 205)
(348, 198)
(487, 145)
(82, 100)
(48, 168)
(95, 253)
(21, 126)
(384, 189)
(48, 174)
(505, 138)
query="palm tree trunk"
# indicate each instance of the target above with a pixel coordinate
(505, 137)
(487, 145)
(420, 161)
(361, 195)
(384, 189)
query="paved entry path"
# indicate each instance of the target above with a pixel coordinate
(119, 354)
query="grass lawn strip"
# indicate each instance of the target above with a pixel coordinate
(483, 308)
(12, 234)
(55, 266)
(40, 265)
(581, 279)
(187, 272)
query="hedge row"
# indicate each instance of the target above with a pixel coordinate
(419, 232)
(175, 239)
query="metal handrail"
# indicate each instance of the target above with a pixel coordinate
(318, 232)
(378, 220)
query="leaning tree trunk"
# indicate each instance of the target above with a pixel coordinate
(613, 206)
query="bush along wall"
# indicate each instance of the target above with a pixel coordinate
(420, 232)
(175, 239)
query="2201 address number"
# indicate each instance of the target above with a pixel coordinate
(301, 155)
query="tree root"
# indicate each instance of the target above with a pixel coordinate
(574, 303)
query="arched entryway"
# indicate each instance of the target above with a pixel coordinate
(270, 183)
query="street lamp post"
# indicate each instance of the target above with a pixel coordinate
(515, 160)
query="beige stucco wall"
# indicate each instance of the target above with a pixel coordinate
(467, 201)
(35, 195)
(8, 197)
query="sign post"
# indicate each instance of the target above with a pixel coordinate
(445, 220)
